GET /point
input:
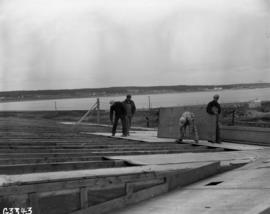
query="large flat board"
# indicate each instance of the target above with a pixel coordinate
(168, 122)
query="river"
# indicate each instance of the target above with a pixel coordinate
(142, 101)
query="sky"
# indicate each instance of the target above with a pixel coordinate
(64, 44)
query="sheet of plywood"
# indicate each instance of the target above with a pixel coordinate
(168, 122)
(189, 157)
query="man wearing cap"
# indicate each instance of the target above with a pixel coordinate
(187, 119)
(118, 111)
(213, 109)
(130, 109)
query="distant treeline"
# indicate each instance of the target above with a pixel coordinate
(112, 91)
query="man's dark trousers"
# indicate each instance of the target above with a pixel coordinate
(124, 124)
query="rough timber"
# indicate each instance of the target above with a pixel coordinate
(61, 169)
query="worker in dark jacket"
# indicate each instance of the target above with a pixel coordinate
(118, 111)
(130, 109)
(213, 109)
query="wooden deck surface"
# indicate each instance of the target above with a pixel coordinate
(28, 146)
(62, 168)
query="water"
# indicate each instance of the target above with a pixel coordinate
(142, 101)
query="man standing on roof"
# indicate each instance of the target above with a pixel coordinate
(118, 111)
(213, 109)
(130, 109)
(187, 119)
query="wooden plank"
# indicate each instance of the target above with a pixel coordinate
(12, 161)
(82, 148)
(84, 197)
(104, 153)
(21, 155)
(58, 166)
(98, 178)
(164, 151)
(88, 147)
(120, 147)
(189, 158)
(95, 183)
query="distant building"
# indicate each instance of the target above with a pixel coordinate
(218, 88)
(257, 103)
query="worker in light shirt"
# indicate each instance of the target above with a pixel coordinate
(187, 119)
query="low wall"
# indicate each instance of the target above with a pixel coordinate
(246, 134)
(96, 191)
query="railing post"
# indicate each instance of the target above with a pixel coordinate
(233, 117)
(98, 111)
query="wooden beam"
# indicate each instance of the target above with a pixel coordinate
(84, 197)
(34, 202)
(58, 166)
(129, 188)
(94, 183)
(256, 135)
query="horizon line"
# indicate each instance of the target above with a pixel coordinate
(136, 86)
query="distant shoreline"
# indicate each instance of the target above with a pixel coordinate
(118, 95)
(24, 96)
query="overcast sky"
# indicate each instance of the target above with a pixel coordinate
(51, 44)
